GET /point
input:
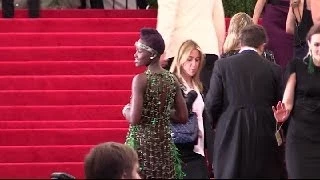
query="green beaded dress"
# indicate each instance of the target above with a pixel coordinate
(151, 138)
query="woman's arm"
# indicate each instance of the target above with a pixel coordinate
(290, 22)
(315, 11)
(219, 23)
(288, 96)
(258, 10)
(133, 112)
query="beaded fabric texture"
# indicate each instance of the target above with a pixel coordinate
(151, 138)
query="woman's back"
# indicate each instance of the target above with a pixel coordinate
(152, 137)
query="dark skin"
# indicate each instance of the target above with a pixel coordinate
(139, 84)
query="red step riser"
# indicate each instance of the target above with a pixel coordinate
(39, 170)
(69, 97)
(60, 113)
(67, 53)
(36, 154)
(66, 82)
(39, 137)
(63, 124)
(76, 24)
(69, 68)
(68, 39)
(88, 13)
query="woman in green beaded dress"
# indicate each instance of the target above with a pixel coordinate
(155, 93)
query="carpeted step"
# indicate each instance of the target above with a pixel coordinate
(36, 154)
(69, 39)
(67, 53)
(60, 113)
(69, 68)
(39, 170)
(75, 24)
(63, 97)
(89, 13)
(79, 136)
(66, 82)
(64, 124)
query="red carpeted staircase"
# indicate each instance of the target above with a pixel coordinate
(64, 79)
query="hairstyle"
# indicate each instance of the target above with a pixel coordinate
(109, 161)
(152, 38)
(315, 29)
(183, 54)
(237, 23)
(253, 36)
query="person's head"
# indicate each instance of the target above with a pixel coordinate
(313, 39)
(149, 47)
(111, 160)
(237, 23)
(188, 62)
(253, 36)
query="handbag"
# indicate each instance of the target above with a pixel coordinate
(185, 133)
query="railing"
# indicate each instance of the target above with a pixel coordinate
(140, 4)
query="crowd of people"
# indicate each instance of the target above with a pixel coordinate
(241, 87)
(247, 83)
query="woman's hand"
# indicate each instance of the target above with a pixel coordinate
(125, 108)
(280, 112)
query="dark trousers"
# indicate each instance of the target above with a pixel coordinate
(142, 4)
(205, 74)
(301, 51)
(94, 4)
(8, 8)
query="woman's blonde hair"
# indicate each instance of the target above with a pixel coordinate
(237, 23)
(182, 56)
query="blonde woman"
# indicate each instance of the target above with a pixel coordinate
(231, 45)
(187, 66)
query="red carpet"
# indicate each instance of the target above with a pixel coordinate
(64, 79)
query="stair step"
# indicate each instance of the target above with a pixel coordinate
(69, 68)
(75, 24)
(63, 124)
(79, 136)
(66, 53)
(40, 170)
(67, 112)
(36, 154)
(66, 82)
(64, 97)
(69, 39)
(89, 13)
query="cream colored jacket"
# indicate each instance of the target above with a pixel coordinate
(200, 20)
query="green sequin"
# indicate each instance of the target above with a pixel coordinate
(158, 156)
(311, 65)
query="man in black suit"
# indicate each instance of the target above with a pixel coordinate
(243, 88)
(8, 8)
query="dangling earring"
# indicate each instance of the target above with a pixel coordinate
(311, 67)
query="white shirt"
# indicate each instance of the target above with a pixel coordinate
(197, 107)
(202, 21)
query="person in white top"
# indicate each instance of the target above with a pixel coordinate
(187, 66)
(202, 21)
